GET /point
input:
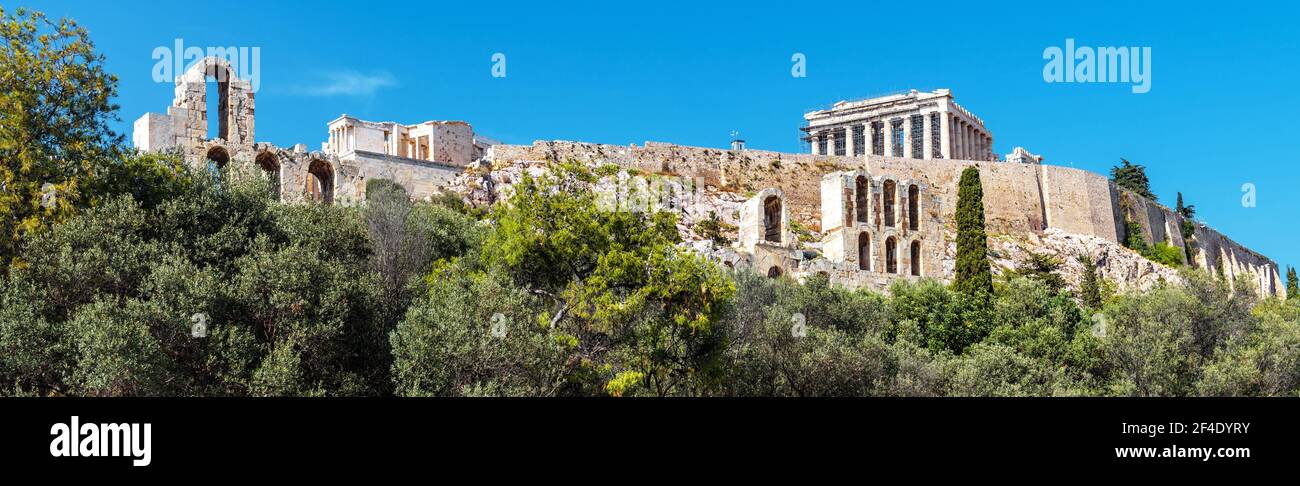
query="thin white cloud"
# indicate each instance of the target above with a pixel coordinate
(349, 83)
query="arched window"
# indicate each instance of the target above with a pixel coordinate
(217, 159)
(864, 251)
(913, 206)
(320, 184)
(271, 167)
(891, 255)
(861, 191)
(916, 258)
(889, 202)
(217, 107)
(774, 272)
(772, 219)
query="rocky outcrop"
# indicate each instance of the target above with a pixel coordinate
(1127, 269)
(1031, 208)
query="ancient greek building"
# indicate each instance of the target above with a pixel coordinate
(765, 235)
(1021, 156)
(912, 125)
(185, 126)
(423, 157)
(875, 200)
(878, 227)
(875, 230)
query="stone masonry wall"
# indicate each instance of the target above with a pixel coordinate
(1019, 199)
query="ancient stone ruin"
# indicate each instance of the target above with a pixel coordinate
(874, 201)
(422, 157)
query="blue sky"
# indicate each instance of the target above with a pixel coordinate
(1220, 112)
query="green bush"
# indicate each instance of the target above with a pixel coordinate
(1165, 254)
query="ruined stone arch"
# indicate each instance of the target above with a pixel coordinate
(270, 165)
(864, 251)
(234, 116)
(774, 272)
(217, 157)
(913, 207)
(765, 220)
(772, 219)
(891, 255)
(222, 74)
(916, 257)
(320, 181)
(889, 194)
(861, 194)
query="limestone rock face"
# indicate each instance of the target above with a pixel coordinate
(1035, 205)
(1115, 263)
(488, 181)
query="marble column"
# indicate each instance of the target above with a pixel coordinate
(850, 143)
(970, 140)
(961, 140)
(927, 147)
(889, 138)
(907, 137)
(965, 140)
(868, 139)
(945, 125)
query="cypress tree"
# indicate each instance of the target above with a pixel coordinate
(1188, 213)
(1090, 287)
(973, 273)
(1292, 284)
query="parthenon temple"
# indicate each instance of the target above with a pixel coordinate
(913, 125)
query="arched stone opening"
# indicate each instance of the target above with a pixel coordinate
(916, 258)
(913, 207)
(861, 191)
(774, 272)
(891, 255)
(864, 251)
(219, 105)
(217, 158)
(320, 183)
(221, 75)
(772, 219)
(889, 190)
(271, 168)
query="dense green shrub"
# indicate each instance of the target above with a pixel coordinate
(300, 300)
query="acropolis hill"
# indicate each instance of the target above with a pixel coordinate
(877, 194)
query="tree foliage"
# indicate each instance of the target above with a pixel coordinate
(973, 276)
(1188, 226)
(55, 107)
(1090, 284)
(1292, 284)
(631, 312)
(1132, 177)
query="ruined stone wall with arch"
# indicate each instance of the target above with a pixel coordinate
(234, 115)
(872, 253)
